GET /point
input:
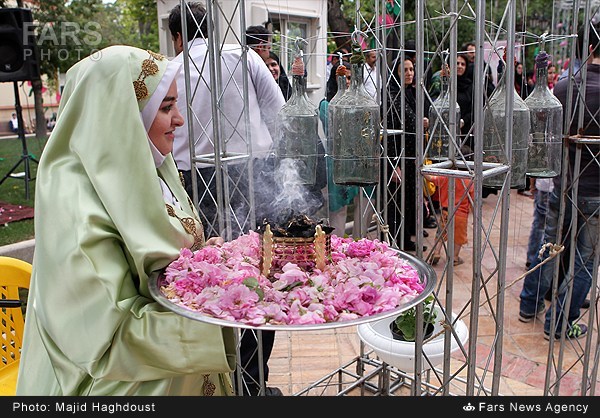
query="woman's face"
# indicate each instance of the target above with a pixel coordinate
(409, 72)
(273, 67)
(551, 73)
(520, 69)
(162, 131)
(461, 66)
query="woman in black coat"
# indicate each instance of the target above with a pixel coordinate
(409, 177)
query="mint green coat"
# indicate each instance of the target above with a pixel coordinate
(101, 232)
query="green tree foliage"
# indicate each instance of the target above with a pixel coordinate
(68, 31)
(139, 18)
(65, 34)
(343, 17)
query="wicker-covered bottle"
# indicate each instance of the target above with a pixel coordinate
(546, 112)
(355, 131)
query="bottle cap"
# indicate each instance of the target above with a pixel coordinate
(298, 66)
(541, 60)
(341, 70)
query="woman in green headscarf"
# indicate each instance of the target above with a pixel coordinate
(111, 212)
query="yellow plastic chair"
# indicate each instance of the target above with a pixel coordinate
(15, 275)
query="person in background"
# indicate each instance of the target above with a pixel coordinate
(541, 193)
(552, 76)
(543, 186)
(576, 60)
(464, 98)
(465, 196)
(14, 123)
(264, 102)
(521, 85)
(411, 53)
(469, 49)
(334, 61)
(92, 326)
(587, 241)
(406, 180)
(528, 192)
(370, 75)
(530, 77)
(279, 75)
(259, 39)
(429, 220)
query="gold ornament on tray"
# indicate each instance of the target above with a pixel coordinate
(306, 252)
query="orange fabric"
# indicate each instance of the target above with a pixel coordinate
(460, 185)
(461, 218)
(461, 225)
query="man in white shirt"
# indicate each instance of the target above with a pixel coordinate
(264, 102)
(252, 143)
(370, 75)
(259, 39)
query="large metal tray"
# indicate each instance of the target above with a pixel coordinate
(426, 273)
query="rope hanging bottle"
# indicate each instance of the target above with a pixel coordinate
(355, 129)
(544, 152)
(495, 135)
(297, 128)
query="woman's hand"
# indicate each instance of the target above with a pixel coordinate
(217, 241)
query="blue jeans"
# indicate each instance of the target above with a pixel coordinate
(537, 283)
(536, 235)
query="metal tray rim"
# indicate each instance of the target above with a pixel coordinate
(426, 272)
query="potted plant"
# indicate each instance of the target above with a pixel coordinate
(404, 326)
(401, 353)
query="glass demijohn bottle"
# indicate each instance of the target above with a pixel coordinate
(494, 136)
(341, 74)
(354, 129)
(441, 134)
(297, 131)
(544, 154)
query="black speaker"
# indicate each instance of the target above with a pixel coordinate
(19, 59)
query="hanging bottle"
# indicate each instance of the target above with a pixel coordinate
(494, 136)
(546, 112)
(341, 74)
(355, 130)
(441, 134)
(297, 131)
